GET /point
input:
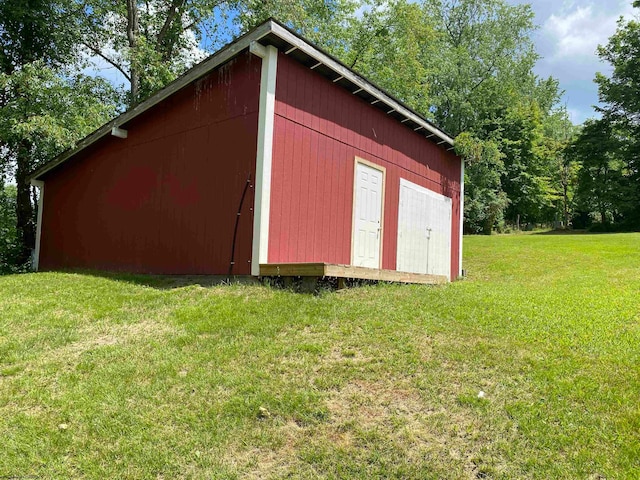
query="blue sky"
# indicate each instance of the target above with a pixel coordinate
(568, 35)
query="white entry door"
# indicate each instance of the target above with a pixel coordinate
(424, 231)
(367, 229)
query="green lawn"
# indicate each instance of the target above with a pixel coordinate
(122, 377)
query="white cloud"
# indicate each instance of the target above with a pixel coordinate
(576, 31)
(368, 8)
(189, 53)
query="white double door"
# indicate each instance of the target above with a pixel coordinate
(367, 230)
(424, 231)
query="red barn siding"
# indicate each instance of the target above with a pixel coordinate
(319, 130)
(164, 200)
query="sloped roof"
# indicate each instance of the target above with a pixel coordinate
(273, 33)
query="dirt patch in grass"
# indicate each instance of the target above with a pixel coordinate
(96, 337)
(274, 462)
(419, 430)
(363, 412)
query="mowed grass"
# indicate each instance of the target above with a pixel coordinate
(122, 377)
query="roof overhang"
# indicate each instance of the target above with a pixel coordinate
(270, 33)
(317, 59)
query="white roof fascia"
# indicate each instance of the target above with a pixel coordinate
(227, 53)
(196, 72)
(357, 80)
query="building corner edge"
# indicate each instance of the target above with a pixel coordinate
(264, 155)
(35, 260)
(460, 270)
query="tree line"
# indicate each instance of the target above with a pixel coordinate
(606, 151)
(467, 65)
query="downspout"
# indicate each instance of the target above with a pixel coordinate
(266, 117)
(35, 261)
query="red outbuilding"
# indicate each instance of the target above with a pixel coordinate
(268, 158)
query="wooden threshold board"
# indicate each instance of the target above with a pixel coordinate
(345, 271)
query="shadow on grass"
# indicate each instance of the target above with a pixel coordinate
(302, 285)
(167, 282)
(582, 232)
(562, 232)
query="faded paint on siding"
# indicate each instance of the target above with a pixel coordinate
(164, 200)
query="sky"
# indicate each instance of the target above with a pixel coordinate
(567, 38)
(569, 31)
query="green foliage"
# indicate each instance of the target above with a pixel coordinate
(42, 106)
(563, 170)
(486, 87)
(484, 200)
(49, 111)
(530, 159)
(467, 65)
(321, 21)
(621, 91)
(484, 52)
(151, 42)
(608, 149)
(392, 43)
(9, 245)
(603, 180)
(36, 30)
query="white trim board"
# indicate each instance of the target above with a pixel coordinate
(344, 72)
(264, 155)
(198, 71)
(461, 214)
(39, 184)
(265, 33)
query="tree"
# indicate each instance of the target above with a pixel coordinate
(531, 141)
(467, 65)
(483, 83)
(602, 185)
(32, 32)
(44, 113)
(484, 54)
(9, 248)
(151, 42)
(621, 95)
(390, 43)
(485, 201)
(324, 22)
(558, 133)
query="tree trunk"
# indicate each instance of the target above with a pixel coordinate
(162, 45)
(24, 209)
(133, 30)
(565, 205)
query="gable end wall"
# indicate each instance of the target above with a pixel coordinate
(319, 130)
(164, 200)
